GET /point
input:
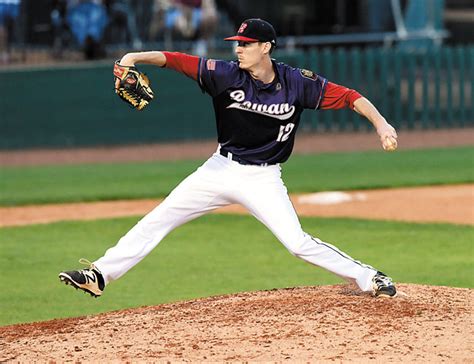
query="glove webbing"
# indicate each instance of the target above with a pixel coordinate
(132, 98)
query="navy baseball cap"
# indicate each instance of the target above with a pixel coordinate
(255, 30)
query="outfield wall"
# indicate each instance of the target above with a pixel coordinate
(77, 106)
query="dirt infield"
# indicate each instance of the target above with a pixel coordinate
(325, 324)
(415, 204)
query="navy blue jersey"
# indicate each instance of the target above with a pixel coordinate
(257, 122)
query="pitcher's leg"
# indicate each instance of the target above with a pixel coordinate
(195, 196)
(271, 205)
(327, 256)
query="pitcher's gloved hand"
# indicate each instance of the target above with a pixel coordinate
(132, 86)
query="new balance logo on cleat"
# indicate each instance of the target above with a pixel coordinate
(89, 280)
(383, 286)
(90, 276)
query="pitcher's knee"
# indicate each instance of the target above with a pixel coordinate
(298, 246)
(298, 250)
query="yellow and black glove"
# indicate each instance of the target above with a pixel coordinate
(132, 86)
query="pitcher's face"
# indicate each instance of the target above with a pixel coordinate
(251, 54)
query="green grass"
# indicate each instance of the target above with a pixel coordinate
(344, 171)
(368, 170)
(213, 255)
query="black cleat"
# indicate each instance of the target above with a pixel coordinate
(383, 286)
(89, 280)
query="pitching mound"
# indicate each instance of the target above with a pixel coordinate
(330, 323)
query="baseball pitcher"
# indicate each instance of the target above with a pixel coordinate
(258, 103)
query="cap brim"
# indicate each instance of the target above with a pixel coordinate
(243, 39)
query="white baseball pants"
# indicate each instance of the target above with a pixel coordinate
(220, 182)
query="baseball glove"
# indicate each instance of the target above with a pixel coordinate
(132, 86)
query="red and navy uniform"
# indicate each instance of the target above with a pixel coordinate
(257, 122)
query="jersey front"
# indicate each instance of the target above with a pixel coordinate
(257, 122)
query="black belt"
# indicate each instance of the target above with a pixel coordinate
(239, 160)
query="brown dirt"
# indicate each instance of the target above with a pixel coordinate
(419, 204)
(325, 324)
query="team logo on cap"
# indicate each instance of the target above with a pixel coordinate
(242, 28)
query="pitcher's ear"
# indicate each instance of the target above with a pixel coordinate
(267, 47)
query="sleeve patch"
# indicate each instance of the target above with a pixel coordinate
(211, 64)
(308, 74)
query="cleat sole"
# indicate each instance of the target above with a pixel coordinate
(386, 296)
(69, 282)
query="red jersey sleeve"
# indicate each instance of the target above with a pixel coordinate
(183, 63)
(338, 97)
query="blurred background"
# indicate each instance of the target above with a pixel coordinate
(413, 58)
(37, 31)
